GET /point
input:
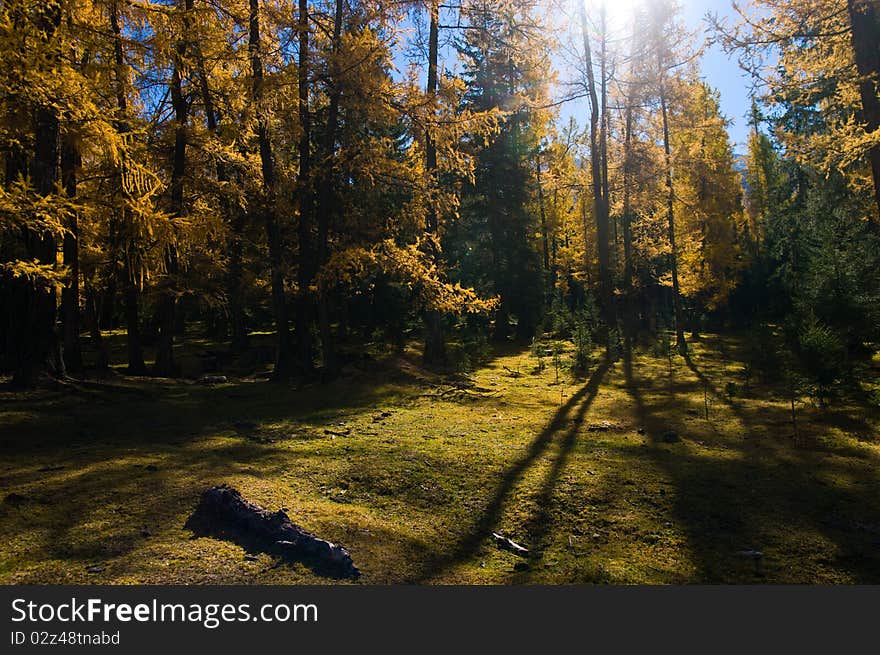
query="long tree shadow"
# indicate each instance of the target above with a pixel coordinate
(763, 494)
(470, 541)
(705, 505)
(837, 499)
(851, 423)
(540, 523)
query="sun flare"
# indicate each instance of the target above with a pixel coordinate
(618, 13)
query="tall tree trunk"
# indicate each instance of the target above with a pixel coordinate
(600, 200)
(603, 152)
(93, 317)
(305, 273)
(680, 342)
(15, 168)
(37, 341)
(131, 300)
(496, 222)
(435, 342)
(284, 355)
(70, 313)
(630, 310)
(123, 243)
(233, 215)
(627, 198)
(864, 18)
(71, 160)
(630, 319)
(165, 364)
(325, 195)
(545, 239)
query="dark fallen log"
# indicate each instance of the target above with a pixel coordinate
(222, 512)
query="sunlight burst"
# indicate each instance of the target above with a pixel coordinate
(619, 13)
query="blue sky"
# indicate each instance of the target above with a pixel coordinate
(718, 70)
(721, 72)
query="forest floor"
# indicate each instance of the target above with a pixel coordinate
(413, 472)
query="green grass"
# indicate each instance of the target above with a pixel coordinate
(96, 483)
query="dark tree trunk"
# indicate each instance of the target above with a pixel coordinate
(284, 355)
(37, 341)
(325, 198)
(306, 262)
(124, 243)
(12, 289)
(132, 294)
(627, 200)
(680, 342)
(545, 241)
(93, 313)
(70, 311)
(603, 155)
(165, 364)
(234, 216)
(865, 20)
(71, 160)
(630, 309)
(600, 200)
(435, 341)
(234, 285)
(107, 317)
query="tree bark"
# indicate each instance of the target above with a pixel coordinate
(865, 21)
(37, 341)
(627, 199)
(283, 358)
(232, 213)
(123, 243)
(435, 341)
(680, 342)
(70, 310)
(165, 364)
(598, 146)
(306, 259)
(93, 317)
(545, 241)
(325, 196)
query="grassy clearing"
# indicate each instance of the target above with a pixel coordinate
(412, 473)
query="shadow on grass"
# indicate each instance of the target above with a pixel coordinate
(811, 517)
(104, 509)
(469, 542)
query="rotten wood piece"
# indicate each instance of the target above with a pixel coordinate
(222, 512)
(508, 544)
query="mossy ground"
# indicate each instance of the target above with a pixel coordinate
(413, 472)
